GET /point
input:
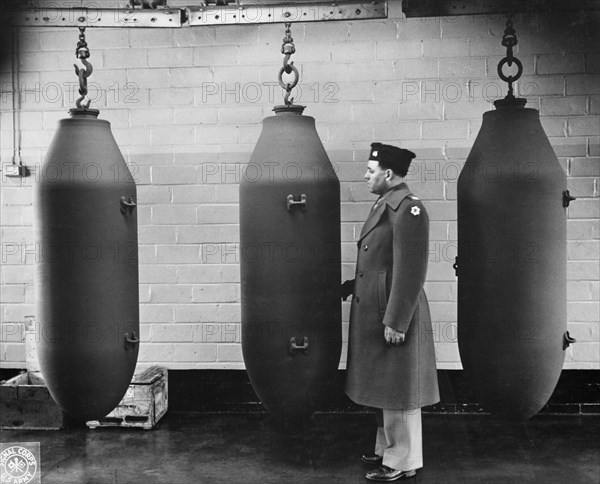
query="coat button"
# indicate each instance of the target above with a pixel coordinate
(360, 273)
(357, 299)
(365, 247)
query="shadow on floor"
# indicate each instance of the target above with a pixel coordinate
(251, 448)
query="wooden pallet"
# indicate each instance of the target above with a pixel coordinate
(144, 403)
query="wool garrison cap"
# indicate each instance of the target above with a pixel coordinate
(396, 158)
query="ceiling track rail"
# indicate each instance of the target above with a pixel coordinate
(200, 15)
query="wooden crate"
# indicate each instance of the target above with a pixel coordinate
(144, 403)
(26, 404)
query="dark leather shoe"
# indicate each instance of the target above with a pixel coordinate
(387, 474)
(372, 459)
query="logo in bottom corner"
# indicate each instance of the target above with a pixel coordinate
(19, 463)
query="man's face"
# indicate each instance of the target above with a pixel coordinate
(377, 178)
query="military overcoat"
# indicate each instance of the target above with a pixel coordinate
(388, 290)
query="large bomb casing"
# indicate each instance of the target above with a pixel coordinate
(512, 263)
(290, 266)
(86, 277)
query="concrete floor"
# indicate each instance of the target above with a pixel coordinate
(249, 448)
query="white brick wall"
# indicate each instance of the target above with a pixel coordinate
(186, 107)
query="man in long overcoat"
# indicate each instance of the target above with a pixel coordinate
(391, 356)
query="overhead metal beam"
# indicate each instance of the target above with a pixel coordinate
(290, 12)
(216, 14)
(448, 8)
(99, 17)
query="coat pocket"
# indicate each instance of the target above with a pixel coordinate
(382, 293)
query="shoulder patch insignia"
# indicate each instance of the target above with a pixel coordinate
(414, 210)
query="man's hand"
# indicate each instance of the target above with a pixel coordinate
(346, 289)
(393, 337)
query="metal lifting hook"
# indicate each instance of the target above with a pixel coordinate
(82, 52)
(288, 48)
(83, 74)
(509, 40)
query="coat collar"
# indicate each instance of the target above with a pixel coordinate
(392, 198)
